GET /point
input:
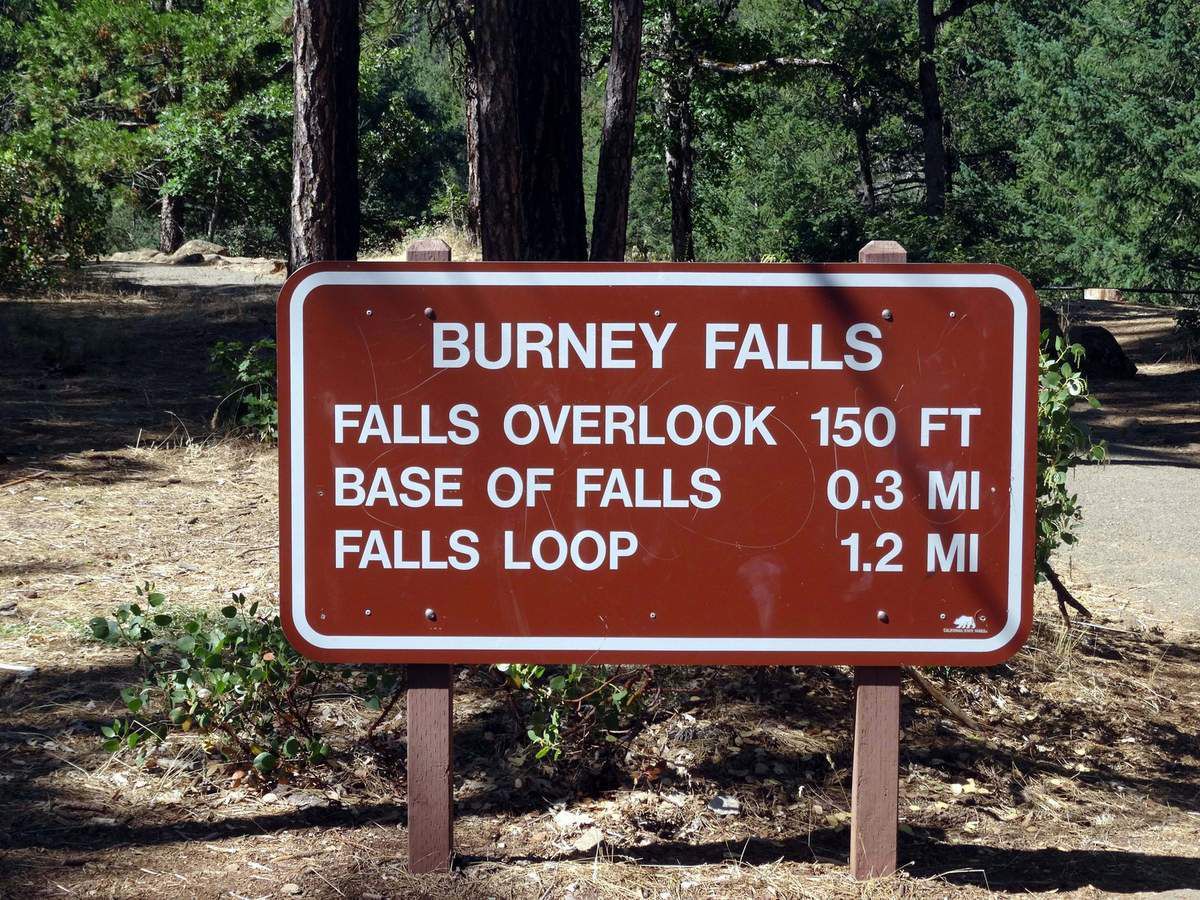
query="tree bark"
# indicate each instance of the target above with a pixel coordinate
(679, 154)
(528, 132)
(932, 125)
(471, 100)
(862, 141)
(611, 215)
(461, 17)
(325, 213)
(680, 160)
(170, 224)
(501, 223)
(170, 218)
(216, 206)
(549, 105)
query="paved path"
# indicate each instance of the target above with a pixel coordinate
(1140, 538)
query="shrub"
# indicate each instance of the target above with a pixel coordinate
(232, 677)
(1062, 445)
(248, 380)
(570, 709)
(45, 214)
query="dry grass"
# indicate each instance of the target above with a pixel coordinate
(1085, 746)
(463, 248)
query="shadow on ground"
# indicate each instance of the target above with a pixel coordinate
(112, 362)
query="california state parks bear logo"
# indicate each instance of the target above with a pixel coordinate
(967, 625)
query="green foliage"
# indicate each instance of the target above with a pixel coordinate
(413, 152)
(45, 213)
(232, 677)
(248, 381)
(120, 102)
(225, 138)
(571, 710)
(1062, 445)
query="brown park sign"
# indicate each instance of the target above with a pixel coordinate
(657, 463)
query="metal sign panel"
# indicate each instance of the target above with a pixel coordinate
(657, 463)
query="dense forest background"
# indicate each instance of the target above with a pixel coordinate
(1062, 138)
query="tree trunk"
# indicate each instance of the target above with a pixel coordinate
(677, 110)
(170, 224)
(680, 164)
(611, 214)
(862, 140)
(931, 112)
(216, 205)
(549, 108)
(325, 214)
(501, 224)
(471, 101)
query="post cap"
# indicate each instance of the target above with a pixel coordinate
(883, 252)
(428, 250)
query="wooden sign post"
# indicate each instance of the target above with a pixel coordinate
(665, 464)
(430, 722)
(874, 800)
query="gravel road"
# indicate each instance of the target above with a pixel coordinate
(1140, 538)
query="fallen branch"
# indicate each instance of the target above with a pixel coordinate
(939, 696)
(764, 65)
(29, 477)
(250, 550)
(1064, 595)
(386, 711)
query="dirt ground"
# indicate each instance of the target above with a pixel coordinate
(1081, 778)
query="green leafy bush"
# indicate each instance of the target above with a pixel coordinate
(1062, 445)
(571, 709)
(232, 677)
(248, 380)
(45, 214)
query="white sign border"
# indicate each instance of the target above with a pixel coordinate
(658, 278)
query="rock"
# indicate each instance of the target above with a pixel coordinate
(186, 259)
(210, 258)
(566, 820)
(725, 806)
(291, 888)
(589, 840)
(1102, 355)
(142, 254)
(305, 799)
(200, 247)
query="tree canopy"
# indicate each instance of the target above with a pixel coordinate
(1057, 137)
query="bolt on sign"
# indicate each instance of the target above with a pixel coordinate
(657, 463)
